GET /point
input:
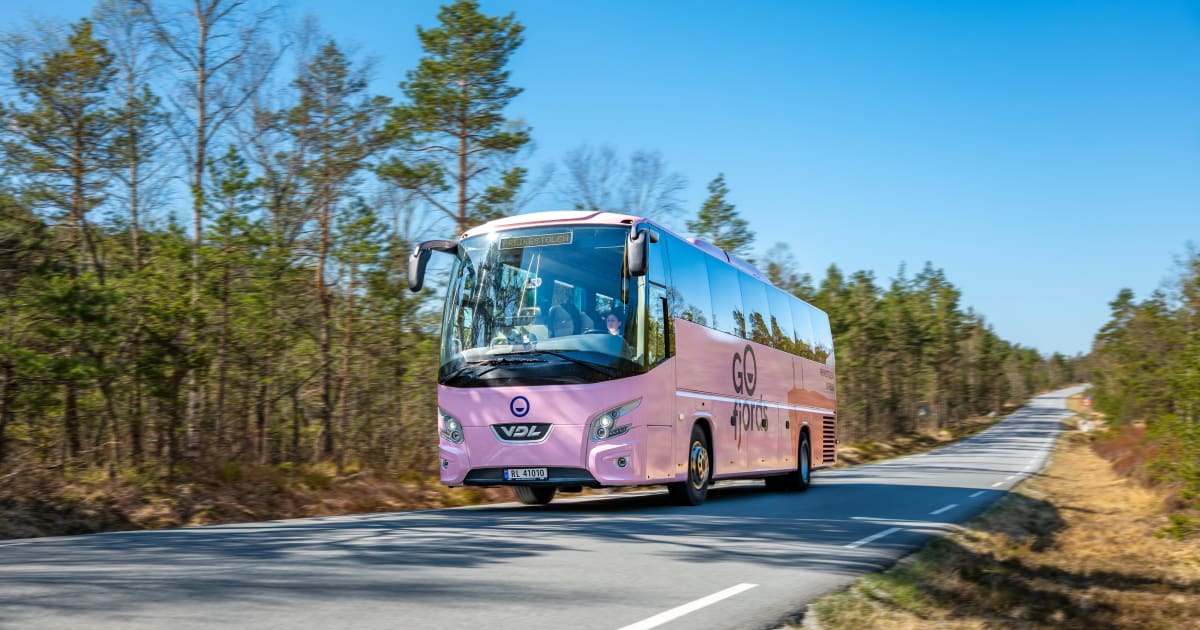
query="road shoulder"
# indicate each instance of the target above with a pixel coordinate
(1074, 546)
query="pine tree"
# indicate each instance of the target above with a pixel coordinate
(359, 245)
(718, 221)
(453, 129)
(338, 127)
(60, 140)
(233, 238)
(60, 135)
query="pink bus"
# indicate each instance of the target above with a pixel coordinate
(598, 349)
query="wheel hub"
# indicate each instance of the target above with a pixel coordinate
(698, 465)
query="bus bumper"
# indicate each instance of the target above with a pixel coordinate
(568, 456)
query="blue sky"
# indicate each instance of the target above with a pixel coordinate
(1044, 154)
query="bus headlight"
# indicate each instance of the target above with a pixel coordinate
(451, 427)
(605, 426)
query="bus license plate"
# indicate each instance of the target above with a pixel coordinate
(522, 474)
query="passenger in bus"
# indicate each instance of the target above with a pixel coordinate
(565, 320)
(615, 321)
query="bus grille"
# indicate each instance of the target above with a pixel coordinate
(828, 440)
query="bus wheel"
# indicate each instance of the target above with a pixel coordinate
(798, 480)
(534, 495)
(695, 489)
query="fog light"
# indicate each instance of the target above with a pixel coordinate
(445, 464)
(622, 462)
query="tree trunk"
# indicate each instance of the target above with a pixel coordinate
(221, 359)
(71, 422)
(343, 407)
(260, 414)
(8, 395)
(197, 176)
(326, 341)
(113, 421)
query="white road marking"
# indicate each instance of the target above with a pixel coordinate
(679, 611)
(943, 509)
(872, 538)
(976, 494)
(998, 484)
(1010, 477)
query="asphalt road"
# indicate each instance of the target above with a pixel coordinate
(747, 558)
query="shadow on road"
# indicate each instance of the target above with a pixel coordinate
(393, 557)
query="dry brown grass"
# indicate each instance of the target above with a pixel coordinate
(48, 504)
(1075, 547)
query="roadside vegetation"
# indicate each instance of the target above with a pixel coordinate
(53, 505)
(203, 314)
(1077, 546)
(1146, 370)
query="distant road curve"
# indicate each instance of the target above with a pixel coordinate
(745, 559)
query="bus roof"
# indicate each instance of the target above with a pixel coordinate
(592, 217)
(553, 217)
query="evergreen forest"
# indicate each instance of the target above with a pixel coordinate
(1146, 374)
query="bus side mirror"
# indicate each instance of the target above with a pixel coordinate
(420, 258)
(638, 252)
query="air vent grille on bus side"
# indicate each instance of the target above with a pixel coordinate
(828, 440)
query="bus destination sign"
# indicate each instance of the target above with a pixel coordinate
(517, 242)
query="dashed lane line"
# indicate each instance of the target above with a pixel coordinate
(692, 606)
(872, 538)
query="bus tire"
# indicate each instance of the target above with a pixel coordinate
(695, 489)
(534, 495)
(800, 479)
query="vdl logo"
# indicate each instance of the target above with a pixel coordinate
(745, 371)
(522, 432)
(519, 406)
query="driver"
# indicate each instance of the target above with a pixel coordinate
(615, 321)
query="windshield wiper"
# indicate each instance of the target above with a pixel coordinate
(506, 360)
(490, 365)
(609, 372)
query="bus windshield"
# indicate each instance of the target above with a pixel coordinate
(544, 305)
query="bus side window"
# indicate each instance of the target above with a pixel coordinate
(689, 275)
(781, 320)
(802, 329)
(822, 337)
(727, 313)
(658, 264)
(754, 301)
(656, 328)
